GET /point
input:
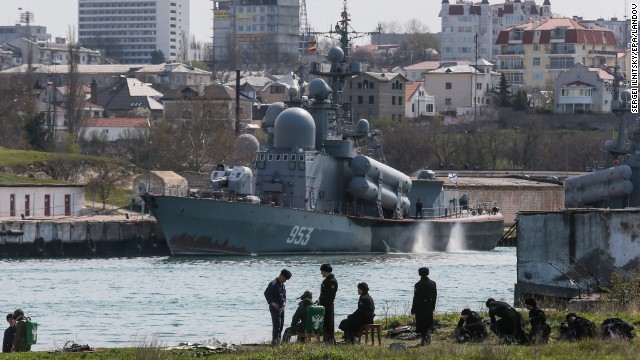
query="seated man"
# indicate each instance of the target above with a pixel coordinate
(364, 314)
(470, 327)
(509, 327)
(540, 330)
(576, 328)
(298, 319)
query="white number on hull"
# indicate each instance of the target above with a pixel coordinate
(300, 235)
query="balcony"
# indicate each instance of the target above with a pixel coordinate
(512, 67)
(603, 52)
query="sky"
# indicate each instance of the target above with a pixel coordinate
(59, 15)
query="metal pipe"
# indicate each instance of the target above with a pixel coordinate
(585, 269)
(568, 277)
(577, 273)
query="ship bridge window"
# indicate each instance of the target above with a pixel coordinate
(261, 157)
(285, 157)
(277, 157)
(301, 157)
(270, 157)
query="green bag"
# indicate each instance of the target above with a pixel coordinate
(315, 320)
(32, 332)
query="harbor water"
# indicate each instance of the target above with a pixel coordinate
(119, 302)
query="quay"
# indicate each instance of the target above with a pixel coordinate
(81, 236)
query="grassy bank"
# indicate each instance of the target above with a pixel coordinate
(443, 347)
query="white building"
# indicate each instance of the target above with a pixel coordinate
(41, 200)
(464, 20)
(462, 89)
(583, 89)
(130, 31)
(418, 103)
(113, 129)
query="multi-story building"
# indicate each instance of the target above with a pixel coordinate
(36, 33)
(252, 33)
(583, 89)
(532, 54)
(376, 95)
(418, 103)
(621, 28)
(462, 89)
(465, 21)
(129, 31)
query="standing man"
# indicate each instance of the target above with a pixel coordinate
(418, 208)
(276, 295)
(328, 290)
(9, 333)
(425, 295)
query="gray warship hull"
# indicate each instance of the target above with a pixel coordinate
(212, 227)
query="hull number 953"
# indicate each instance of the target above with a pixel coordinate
(300, 235)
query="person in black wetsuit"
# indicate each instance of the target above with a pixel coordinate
(470, 327)
(276, 296)
(509, 327)
(425, 295)
(540, 330)
(577, 328)
(364, 314)
(328, 290)
(418, 209)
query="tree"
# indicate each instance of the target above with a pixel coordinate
(107, 175)
(503, 91)
(75, 96)
(157, 57)
(36, 134)
(520, 101)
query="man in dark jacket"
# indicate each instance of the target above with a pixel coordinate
(364, 314)
(276, 296)
(328, 290)
(20, 338)
(425, 295)
(540, 330)
(9, 333)
(299, 317)
(510, 327)
(576, 328)
(470, 327)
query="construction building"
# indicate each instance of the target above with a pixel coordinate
(130, 31)
(249, 34)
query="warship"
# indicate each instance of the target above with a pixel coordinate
(312, 189)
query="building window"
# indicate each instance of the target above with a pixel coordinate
(360, 99)
(478, 86)
(429, 108)
(393, 100)
(538, 77)
(447, 101)
(536, 61)
(536, 47)
(447, 86)
(399, 100)
(371, 99)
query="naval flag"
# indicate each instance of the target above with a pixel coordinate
(453, 177)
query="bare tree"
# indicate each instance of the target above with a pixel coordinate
(108, 174)
(75, 92)
(415, 26)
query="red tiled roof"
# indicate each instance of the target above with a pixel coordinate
(527, 38)
(533, 10)
(475, 10)
(503, 38)
(577, 84)
(117, 122)
(410, 88)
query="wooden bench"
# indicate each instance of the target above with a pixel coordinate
(372, 329)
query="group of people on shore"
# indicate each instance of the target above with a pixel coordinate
(507, 323)
(15, 336)
(423, 306)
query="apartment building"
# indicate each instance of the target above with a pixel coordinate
(464, 21)
(533, 54)
(129, 31)
(251, 33)
(376, 95)
(583, 89)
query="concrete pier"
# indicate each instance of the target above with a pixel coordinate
(100, 236)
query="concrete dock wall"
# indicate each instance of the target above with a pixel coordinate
(86, 236)
(602, 241)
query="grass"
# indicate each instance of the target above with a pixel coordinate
(10, 179)
(21, 158)
(442, 347)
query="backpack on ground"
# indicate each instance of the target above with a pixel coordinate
(32, 331)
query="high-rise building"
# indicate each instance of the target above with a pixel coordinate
(463, 21)
(130, 31)
(253, 33)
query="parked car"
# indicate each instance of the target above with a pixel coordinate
(426, 175)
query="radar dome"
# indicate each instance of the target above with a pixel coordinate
(245, 148)
(363, 126)
(272, 113)
(293, 92)
(319, 89)
(335, 54)
(295, 128)
(609, 145)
